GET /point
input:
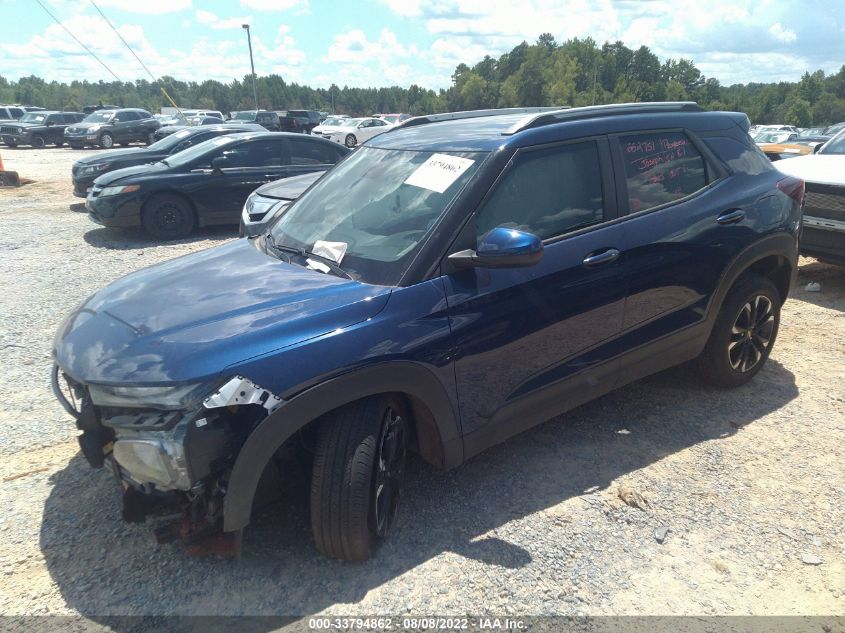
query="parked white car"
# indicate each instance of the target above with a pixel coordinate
(330, 125)
(356, 131)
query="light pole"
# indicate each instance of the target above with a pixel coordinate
(251, 65)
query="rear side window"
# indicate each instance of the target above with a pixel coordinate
(303, 152)
(660, 167)
(547, 192)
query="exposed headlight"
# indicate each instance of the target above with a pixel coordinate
(113, 191)
(88, 170)
(159, 397)
(158, 461)
(258, 205)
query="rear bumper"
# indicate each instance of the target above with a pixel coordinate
(823, 238)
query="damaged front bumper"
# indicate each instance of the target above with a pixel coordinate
(182, 454)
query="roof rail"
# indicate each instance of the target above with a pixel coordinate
(473, 114)
(590, 112)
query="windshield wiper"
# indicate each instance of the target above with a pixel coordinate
(301, 252)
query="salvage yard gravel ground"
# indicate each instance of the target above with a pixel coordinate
(737, 498)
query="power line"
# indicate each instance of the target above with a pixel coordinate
(123, 40)
(56, 20)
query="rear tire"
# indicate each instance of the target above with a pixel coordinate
(168, 217)
(38, 141)
(744, 333)
(151, 138)
(58, 143)
(106, 141)
(357, 475)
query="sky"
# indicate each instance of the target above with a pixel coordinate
(377, 43)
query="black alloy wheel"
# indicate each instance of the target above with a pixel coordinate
(390, 468)
(751, 333)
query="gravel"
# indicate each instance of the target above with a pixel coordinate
(750, 480)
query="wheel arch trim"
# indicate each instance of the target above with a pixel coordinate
(402, 377)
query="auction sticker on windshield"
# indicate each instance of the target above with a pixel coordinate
(439, 172)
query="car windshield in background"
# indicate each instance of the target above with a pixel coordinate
(99, 117)
(393, 118)
(813, 131)
(192, 153)
(380, 204)
(836, 145)
(33, 117)
(772, 137)
(170, 141)
(245, 116)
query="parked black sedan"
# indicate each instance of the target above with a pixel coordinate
(205, 184)
(85, 170)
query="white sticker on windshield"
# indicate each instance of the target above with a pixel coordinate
(330, 250)
(439, 172)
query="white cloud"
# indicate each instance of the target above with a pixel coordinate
(275, 5)
(781, 34)
(210, 19)
(152, 7)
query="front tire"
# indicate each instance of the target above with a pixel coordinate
(106, 140)
(744, 333)
(168, 217)
(357, 475)
(351, 141)
(151, 138)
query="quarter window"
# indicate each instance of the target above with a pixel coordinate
(660, 167)
(547, 192)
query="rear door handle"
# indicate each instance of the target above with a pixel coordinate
(602, 257)
(731, 217)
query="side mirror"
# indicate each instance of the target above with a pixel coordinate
(219, 163)
(501, 248)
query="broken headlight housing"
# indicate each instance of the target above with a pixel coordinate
(169, 397)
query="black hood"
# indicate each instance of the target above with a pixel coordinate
(131, 156)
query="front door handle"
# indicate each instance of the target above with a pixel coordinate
(602, 257)
(731, 217)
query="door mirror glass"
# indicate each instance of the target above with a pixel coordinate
(501, 248)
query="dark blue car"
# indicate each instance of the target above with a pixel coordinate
(449, 284)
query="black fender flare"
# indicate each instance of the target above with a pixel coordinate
(406, 377)
(781, 245)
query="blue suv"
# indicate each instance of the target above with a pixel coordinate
(449, 284)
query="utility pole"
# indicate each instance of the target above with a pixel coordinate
(251, 65)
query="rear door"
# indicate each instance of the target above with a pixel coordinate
(530, 342)
(684, 223)
(55, 128)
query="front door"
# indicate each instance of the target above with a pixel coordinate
(531, 342)
(220, 195)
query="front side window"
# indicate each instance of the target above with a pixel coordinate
(255, 154)
(547, 192)
(123, 117)
(381, 204)
(660, 167)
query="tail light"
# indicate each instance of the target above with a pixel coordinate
(793, 187)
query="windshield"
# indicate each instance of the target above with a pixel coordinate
(836, 145)
(380, 204)
(99, 117)
(331, 121)
(813, 131)
(391, 118)
(33, 117)
(773, 137)
(245, 116)
(197, 151)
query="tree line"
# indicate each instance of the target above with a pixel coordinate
(576, 72)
